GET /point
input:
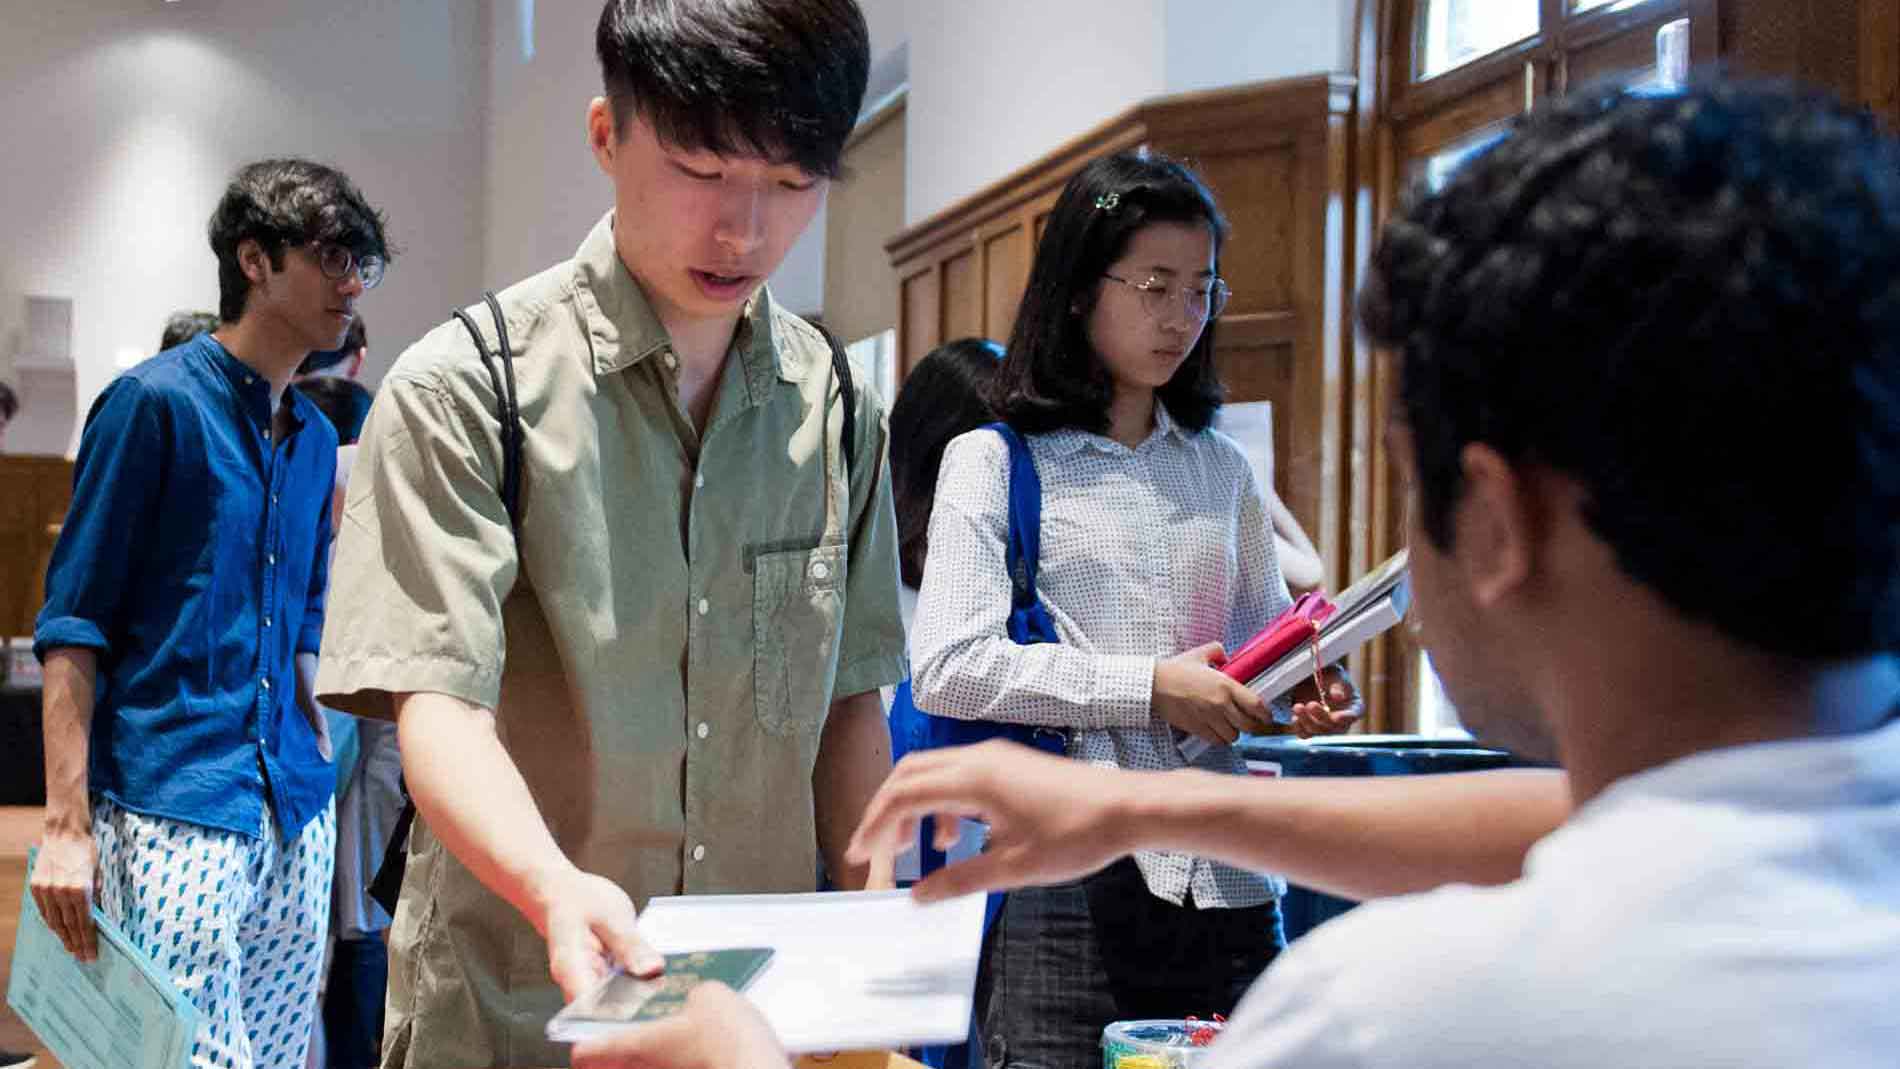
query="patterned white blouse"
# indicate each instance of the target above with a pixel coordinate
(1146, 553)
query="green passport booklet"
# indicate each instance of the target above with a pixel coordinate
(622, 1001)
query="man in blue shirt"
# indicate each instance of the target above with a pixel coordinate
(187, 763)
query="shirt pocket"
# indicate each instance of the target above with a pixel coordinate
(797, 617)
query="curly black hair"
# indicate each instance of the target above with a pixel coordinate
(776, 79)
(283, 202)
(1688, 302)
(1052, 377)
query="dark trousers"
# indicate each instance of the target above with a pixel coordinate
(353, 1004)
(1064, 962)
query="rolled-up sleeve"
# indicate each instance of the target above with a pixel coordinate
(964, 663)
(116, 480)
(425, 557)
(871, 652)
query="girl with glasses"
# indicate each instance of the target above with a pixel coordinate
(1156, 553)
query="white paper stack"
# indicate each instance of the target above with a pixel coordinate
(858, 970)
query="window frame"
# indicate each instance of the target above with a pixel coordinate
(1417, 119)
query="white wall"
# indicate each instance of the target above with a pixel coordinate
(123, 119)
(1213, 43)
(995, 84)
(544, 190)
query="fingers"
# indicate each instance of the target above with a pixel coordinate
(625, 946)
(68, 913)
(574, 964)
(670, 1041)
(1208, 653)
(883, 872)
(917, 788)
(984, 872)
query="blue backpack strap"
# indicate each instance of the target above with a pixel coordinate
(1025, 517)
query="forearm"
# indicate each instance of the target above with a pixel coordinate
(1300, 565)
(1360, 838)
(854, 757)
(1048, 684)
(71, 676)
(465, 784)
(307, 686)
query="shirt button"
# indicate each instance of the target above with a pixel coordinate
(273, 499)
(250, 381)
(270, 558)
(699, 481)
(266, 621)
(672, 362)
(704, 729)
(266, 682)
(704, 606)
(699, 852)
(820, 570)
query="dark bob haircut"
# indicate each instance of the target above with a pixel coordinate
(773, 79)
(344, 402)
(1052, 377)
(279, 203)
(1689, 303)
(945, 395)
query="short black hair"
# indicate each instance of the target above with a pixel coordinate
(181, 327)
(1052, 377)
(9, 402)
(775, 79)
(1689, 303)
(945, 395)
(345, 402)
(356, 340)
(283, 202)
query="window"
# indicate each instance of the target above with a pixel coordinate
(1455, 32)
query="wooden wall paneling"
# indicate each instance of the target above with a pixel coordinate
(963, 300)
(1813, 41)
(919, 328)
(1007, 255)
(1880, 59)
(34, 494)
(1027, 194)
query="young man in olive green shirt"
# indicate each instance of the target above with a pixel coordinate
(666, 680)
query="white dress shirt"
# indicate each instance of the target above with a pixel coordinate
(1146, 553)
(1736, 909)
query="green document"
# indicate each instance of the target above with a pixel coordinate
(622, 1001)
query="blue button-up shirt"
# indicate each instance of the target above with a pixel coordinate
(193, 560)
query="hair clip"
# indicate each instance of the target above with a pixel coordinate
(1108, 202)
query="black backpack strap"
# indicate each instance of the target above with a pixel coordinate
(509, 413)
(841, 367)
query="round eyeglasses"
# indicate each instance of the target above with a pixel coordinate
(1201, 302)
(336, 261)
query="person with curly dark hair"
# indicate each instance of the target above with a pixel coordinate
(1649, 409)
(187, 765)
